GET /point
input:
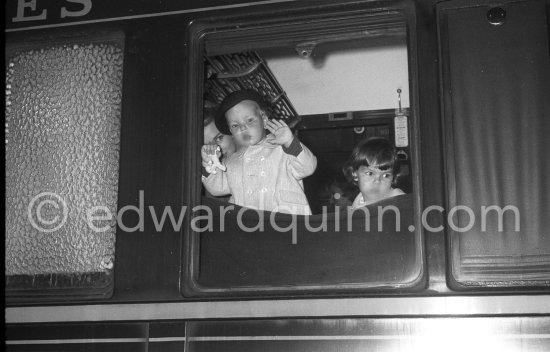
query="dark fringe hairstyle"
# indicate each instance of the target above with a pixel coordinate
(375, 151)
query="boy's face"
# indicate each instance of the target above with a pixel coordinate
(213, 136)
(246, 122)
(374, 184)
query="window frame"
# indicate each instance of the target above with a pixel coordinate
(480, 276)
(222, 33)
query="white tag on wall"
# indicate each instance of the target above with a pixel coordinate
(401, 131)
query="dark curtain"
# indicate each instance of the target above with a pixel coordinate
(497, 89)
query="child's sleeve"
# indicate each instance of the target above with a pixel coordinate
(216, 183)
(302, 162)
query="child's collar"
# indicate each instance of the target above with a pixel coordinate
(262, 143)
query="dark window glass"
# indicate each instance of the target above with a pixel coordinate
(496, 88)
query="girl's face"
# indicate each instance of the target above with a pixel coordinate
(246, 122)
(374, 184)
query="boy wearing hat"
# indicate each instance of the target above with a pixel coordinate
(265, 172)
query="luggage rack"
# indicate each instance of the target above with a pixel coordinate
(247, 70)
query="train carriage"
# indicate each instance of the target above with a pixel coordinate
(112, 242)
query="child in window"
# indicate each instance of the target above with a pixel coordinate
(373, 167)
(266, 171)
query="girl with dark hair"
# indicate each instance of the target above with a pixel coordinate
(373, 166)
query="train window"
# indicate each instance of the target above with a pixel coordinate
(63, 109)
(497, 144)
(333, 77)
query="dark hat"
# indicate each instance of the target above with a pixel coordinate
(230, 101)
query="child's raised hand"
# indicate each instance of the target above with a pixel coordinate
(210, 154)
(280, 133)
(208, 150)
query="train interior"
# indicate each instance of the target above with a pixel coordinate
(333, 94)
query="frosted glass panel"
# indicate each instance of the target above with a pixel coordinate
(63, 108)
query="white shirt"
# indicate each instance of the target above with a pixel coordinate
(360, 200)
(266, 177)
